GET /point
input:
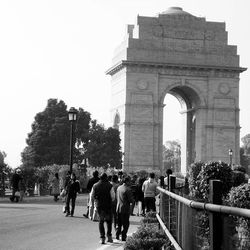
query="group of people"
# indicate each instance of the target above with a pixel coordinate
(112, 199)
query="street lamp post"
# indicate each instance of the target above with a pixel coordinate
(230, 152)
(72, 118)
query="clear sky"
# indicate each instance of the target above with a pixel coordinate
(61, 49)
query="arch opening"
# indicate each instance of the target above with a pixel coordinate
(179, 128)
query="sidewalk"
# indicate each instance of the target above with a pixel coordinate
(119, 245)
(46, 199)
(81, 202)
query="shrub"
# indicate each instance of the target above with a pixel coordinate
(239, 168)
(240, 197)
(146, 238)
(193, 173)
(199, 184)
(150, 217)
(238, 178)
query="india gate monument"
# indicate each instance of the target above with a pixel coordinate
(188, 57)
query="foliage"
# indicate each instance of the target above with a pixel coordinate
(172, 155)
(104, 146)
(238, 178)
(48, 142)
(199, 187)
(240, 197)
(239, 168)
(193, 181)
(146, 238)
(150, 217)
(246, 143)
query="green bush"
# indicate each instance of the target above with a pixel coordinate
(201, 174)
(239, 168)
(240, 197)
(238, 178)
(146, 238)
(150, 217)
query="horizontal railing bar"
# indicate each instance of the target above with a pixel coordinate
(169, 235)
(208, 206)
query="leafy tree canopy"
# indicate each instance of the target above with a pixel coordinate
(48, 142)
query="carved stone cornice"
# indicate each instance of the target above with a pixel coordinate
(176, 69)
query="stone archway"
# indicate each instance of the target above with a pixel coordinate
(190, 58)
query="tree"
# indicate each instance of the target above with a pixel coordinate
(5, 172)
(245, 151)
(172, 155)
(48, 142)
(103, 149)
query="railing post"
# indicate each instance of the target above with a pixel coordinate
(215, 222)
(171, 211)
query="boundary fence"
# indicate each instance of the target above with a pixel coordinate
(192, 225)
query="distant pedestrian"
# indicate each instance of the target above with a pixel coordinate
(90, 203)
(103, 194)
(161, 181)
(66, 180)
(150, 190)
(115, 184)
(166, 179)
(133, 186)
(124, 200)
(21, 187)
(140, 197)
(73, 187)
(14, 183)
(55, 187)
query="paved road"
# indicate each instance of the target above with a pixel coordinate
(38, 224)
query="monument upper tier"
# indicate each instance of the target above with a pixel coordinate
(175, 37)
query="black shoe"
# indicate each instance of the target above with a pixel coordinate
(124, 238)
(85, 215)
(102, 241)
(117, 237)
(67, 214)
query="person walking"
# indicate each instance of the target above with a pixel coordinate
(90, 203)
(103, 194)
(140, 197)
(55, 187)
(115, 185)
(21, 187)
(133, 186)
(150, 190)
(66, 180)
(14, 183)
(166, 179)
(73, 187)
(124, 200)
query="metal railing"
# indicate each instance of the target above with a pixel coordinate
(192, 225)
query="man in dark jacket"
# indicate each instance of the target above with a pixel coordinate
(15, 184)
(103, 194)
(73, 187)
(124, 200)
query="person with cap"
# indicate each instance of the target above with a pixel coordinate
(15, 185)
(103, 194)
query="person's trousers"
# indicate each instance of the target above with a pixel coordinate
(13, 197)
(149, 204)
(73, 202)
(105, 216)
(123, 225)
